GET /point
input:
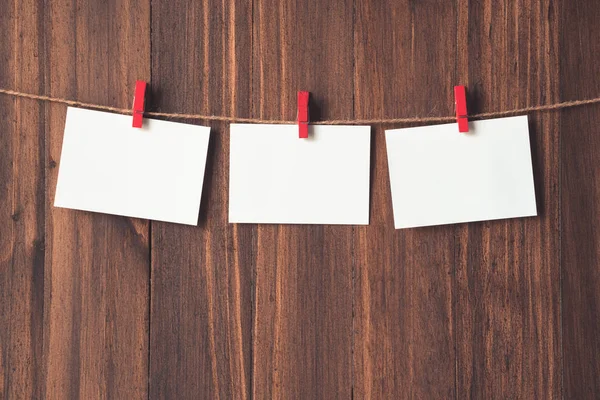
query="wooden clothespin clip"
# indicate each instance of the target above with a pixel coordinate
(462, 117)
(303, 114)
(139, 100)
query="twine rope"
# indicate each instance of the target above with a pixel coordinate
(370, 121)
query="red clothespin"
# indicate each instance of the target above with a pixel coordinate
(303, 114)
(460, 98)
(138, 103)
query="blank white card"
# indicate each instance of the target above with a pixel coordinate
(276, 177)
(440, 176)
(154, 172)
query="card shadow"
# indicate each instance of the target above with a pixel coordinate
(207, 187)
(537, 167)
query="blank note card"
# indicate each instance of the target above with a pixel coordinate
(277, 178)
(154, 172)
(440, 176)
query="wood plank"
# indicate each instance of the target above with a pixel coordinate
(242, 311)
(303, 298)
(404, 332)
(201, 306)
(508, 272)
(580, 199)
(22, 200)
(97, 266)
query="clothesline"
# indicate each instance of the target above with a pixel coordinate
(368, 121)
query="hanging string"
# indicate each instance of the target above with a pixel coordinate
(370, 121)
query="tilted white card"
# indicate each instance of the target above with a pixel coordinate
(440, 176)
(154, 172)
(277, 178)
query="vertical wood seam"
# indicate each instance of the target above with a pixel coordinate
(558, 23)
(353, 236)
(148, 367)
(253, 241)
(454, 288)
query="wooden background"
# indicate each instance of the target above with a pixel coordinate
(97, 306)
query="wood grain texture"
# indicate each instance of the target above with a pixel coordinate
(508, 272)
(97, 266)
(580, 201)
(201, 276)
(96, 306)
(22, 199)
(404, 336)
(302, 324)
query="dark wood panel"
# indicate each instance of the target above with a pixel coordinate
(21, 202)
(97, 266)
(303, 298)
(580, 199)
(508, 272)
(103, 306)
(201, 308)
(404, 332)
